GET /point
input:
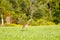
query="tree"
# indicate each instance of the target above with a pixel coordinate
(23, 11)
(1, 14)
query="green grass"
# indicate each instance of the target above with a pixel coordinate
(30, 33)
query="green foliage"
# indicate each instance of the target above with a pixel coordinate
(56, 16)
(41, 11)
(58, 23)
(10, 24)
(41, 22)
(33, 23)
(50, 23)
(44, 22)
(37, 15)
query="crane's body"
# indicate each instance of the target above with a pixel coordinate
(27, 23)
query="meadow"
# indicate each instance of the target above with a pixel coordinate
(30, 33)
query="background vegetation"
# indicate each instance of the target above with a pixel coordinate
(42, 12)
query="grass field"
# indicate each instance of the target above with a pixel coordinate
(30, 33)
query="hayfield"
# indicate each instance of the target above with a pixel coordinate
(30, 33)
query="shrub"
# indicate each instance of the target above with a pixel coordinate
(44, 22)
(10, 24)
(50, 23)
(33, 23)
(58, 24)
(41, 22)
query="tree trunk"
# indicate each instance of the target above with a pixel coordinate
(2, 19)
(50, 12)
